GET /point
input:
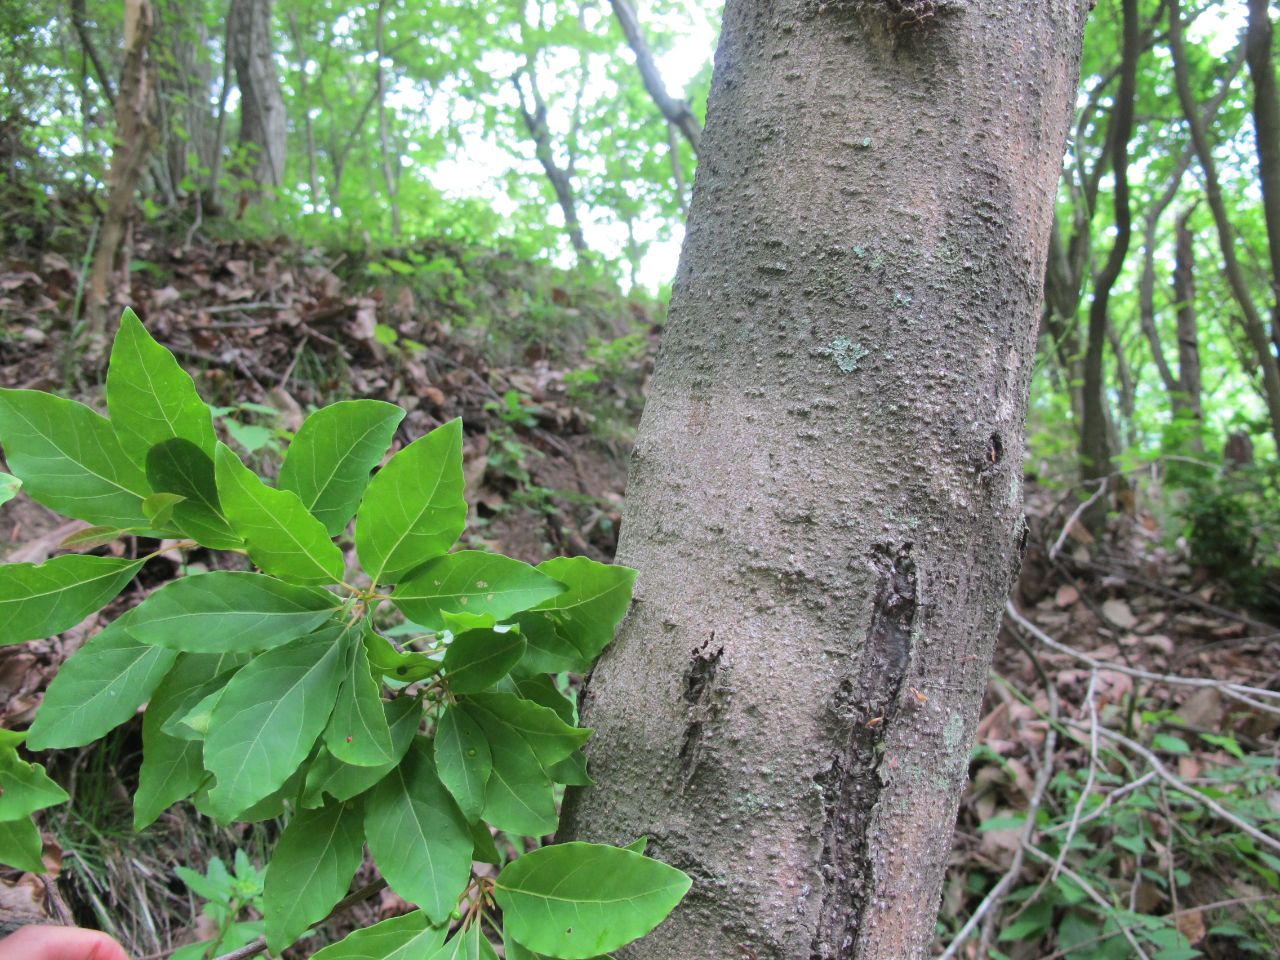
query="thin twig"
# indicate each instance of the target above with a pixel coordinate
(1237, 691)
(1109, 801)
(1076, 515)
(1092, 703)
(237, 307)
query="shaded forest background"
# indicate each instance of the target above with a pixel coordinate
(473, 209)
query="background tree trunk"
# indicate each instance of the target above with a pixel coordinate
(134, 136)
(1095, 445)
(263, 126)
(1188, 399)
(825, 496)
(677, 112)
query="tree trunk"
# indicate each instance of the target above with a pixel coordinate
(263, 125)
(1266, 127)
(676, 112)
(135, 133)
(825, 495)
(1188, 397)
(1254, 327)
(1095, 447)
(560, 178)
(389, 176)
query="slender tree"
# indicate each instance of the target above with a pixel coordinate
(1266, 128)
(825, 496)
(1255, 329)
(134, 138)
(677, 112)
(1095, 446)
(533, 111)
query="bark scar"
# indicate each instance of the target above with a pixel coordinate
(865, 706)
(699, 681)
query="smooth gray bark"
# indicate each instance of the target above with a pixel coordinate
(825, 495)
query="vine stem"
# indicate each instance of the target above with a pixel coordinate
(260, 945)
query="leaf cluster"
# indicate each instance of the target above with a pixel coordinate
(275, 690)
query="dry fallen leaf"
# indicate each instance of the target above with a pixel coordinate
(1191, 925)
(1119, 613)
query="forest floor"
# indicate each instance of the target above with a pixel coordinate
(1126, 746)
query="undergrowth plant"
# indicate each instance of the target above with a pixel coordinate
(276, 691)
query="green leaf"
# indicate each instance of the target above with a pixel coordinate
(463, 761)
(283, 538)
(330, 459)
(342, 781)
(159, 508)
(69, 459)
(468, 944)
(311, 869)
(37, 601)
(98, 688)
(1170, 743)
(638, 845)
(486, 850)
(180, 468)
(150, 397)
(9, 487)
(21, 846)
(519, 796)
(409, 937)
(588, 613)
(550, 737)
(478, 659)
(25, 787)
(358, 732)
(542, 691)
(517, 951)
(457, 623)
(1033, 921)
(1229, 744)
(87, 537)
(172, 767)
(417, 835)
(571, 771)
(225, 612)
(578, 900)
(194, 723)
(271, 713)
(546, 649)
(473, 582)
(270, 807)
(414, 508)
(404, 666)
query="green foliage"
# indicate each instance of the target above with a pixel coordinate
(274, 693)
(1108, 839)
(229, 895)
(1233, 530)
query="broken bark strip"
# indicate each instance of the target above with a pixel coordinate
(866, 704)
